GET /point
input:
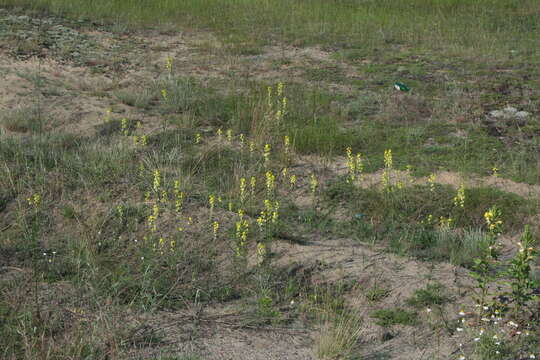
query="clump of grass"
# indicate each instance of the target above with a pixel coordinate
(432, 294)
(377, 293)
(322, 136)
(461, 247)
(395, 316)
(22, 120)
(178, 94)
(339, 335)
(139, 97)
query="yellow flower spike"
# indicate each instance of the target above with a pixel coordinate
(280, 87)
(135, 140)
(251, 148)
(34, 200)
(215, 228)
(37, 200)
(157, 180)
(388, 164)
(493, 220)
(261, 250)
(197, 138)
(212, 202)
(275, 212)
(219, 133)
(351, 165)
(459, 199)
(169, 64)
(153, 217)
(287, 144)
(313, 183)
(284, 172)
(164, 196)
(124, 126)
(266, 153)
(238, 229)
(260, 220)
(107, 116)
(495, 171)
(164, 94)
(284, 105)
(229, 135)
(268, 206)
(242, 190)
(230, 206)
(242, 228)
(279, 115)
(431, 181)
(270, 182)
(242, 140)
(179, 203)
(120, 210)
(292, 181)
(190, 220)
(144, 140)
(445, 222)
(388, 161)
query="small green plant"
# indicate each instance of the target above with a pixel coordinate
(519, 272)
(266, 309)
(483, 269)
(377, 293)
(483, 273)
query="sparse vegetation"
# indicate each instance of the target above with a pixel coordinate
(432, 294)
(377, 293)
(175, 170)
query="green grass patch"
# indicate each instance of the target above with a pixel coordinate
(409, 221)
(492, 25)
(432, 294)
(396, 316)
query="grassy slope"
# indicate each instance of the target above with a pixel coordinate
(94, 210)
(493, 26)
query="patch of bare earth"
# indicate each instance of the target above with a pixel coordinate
(218, 335)
(82, 95)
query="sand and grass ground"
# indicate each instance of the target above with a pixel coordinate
(213, 180)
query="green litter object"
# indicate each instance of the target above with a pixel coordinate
(401, 86)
